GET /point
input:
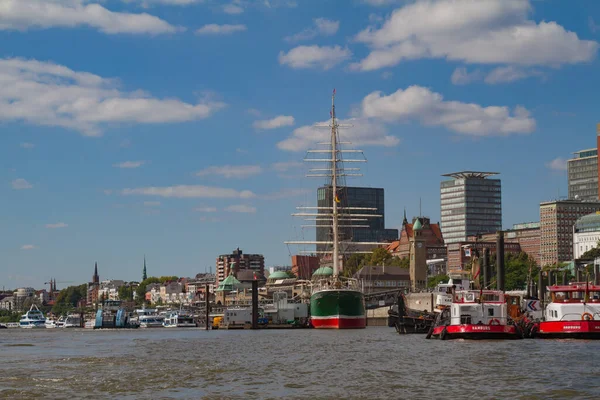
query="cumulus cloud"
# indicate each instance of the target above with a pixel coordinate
(231, 171)
(324, 57)
(558, 164)
(206, 209)
(461, 76)
(58, 225)
(273, 123)
(188, 191)
(321, 27)
(241, 208)
(360, 131)
(510, 74)
(43, 93)
(20, 184)
(481, 32)
(41, 14)
(129, 164)
(214, 29)
(147, 3)
(232, 9)
(430, 108)
(27, 247)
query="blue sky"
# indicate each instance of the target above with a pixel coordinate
(175, 128)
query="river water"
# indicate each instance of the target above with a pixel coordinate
(374, 363)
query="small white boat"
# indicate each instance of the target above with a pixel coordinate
(179, 319)
(72, 321)
(151, 321)
(33, 318)
(50, 323)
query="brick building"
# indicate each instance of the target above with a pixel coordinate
(237, 261)
(527, 235)
(556, 228)
(304, 266)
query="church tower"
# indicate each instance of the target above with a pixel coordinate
(418, 258)
(96, 278)
(144, 275)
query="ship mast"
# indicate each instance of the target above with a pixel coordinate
(334, 169)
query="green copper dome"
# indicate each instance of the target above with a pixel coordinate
(279, 275)
(323, 271)
(228, 284)
(417, 225)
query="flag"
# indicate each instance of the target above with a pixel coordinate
(254, 275)
(337, 199)
(467, 252)
(330, 113)
(333, 90)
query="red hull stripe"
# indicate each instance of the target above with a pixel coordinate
(338, 323)
(568, 327)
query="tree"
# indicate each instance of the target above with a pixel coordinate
(354, 263)
(141, 289)
(68, 298)
(125, 293)
(380, 256)
(164, 279)
(433, 281)
(592, 253)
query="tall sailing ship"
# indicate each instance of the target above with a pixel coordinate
(336, 302)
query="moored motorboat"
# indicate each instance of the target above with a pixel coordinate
(573, 312)
(151, 321)
(179, 319)
(33, 318)
(476, 314)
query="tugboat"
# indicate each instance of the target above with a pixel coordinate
(573, 312)
(475, 314)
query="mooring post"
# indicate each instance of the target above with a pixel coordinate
(500, 260)
(207, 305)
(255, 304)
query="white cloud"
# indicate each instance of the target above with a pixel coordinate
(481, 32)
(509, 74)
(461, 76)
(214, 29)
(27, 145)
(363, 131)
(129, 164)
(231, 171)
(287, 165)
(20, 183)
(26, 14)
(379, 3)
(27, 247)
(419, 103)
(206, 209)
(241, 208)
(232, 9)
(273, 123)
(189, 191)
(147, 3)
(558, 164)
(44, 93)
(57, 225)
(152, 203)
(314, 56)
(322, 27)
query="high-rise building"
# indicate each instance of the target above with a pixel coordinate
(556, 228)
(582, 173)
(471, 204)
(238, 261)
(373, 229)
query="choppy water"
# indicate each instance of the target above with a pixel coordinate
(372, 363)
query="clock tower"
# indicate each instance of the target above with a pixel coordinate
(418, 258)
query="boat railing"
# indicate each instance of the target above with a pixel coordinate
(580, 317)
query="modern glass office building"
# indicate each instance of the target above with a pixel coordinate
(582, 171)
(373, 228)
(471, 204)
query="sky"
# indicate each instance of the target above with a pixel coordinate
(175, 129)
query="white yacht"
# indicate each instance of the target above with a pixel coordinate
(50, 323)
(151, 321)
(179, 319)
(72, 321)
(33, 318)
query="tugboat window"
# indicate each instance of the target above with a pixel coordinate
(490, 312)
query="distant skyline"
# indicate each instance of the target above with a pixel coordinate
(176, 129)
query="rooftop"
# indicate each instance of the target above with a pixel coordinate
(470, 174)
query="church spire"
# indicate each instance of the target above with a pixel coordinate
(404, 221)
(96, 278)
(144, 276)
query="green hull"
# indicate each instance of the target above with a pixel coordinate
(338, 309)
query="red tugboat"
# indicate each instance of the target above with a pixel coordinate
(476, 314)
(573, 312)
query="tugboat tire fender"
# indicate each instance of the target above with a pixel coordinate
(495, 321)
